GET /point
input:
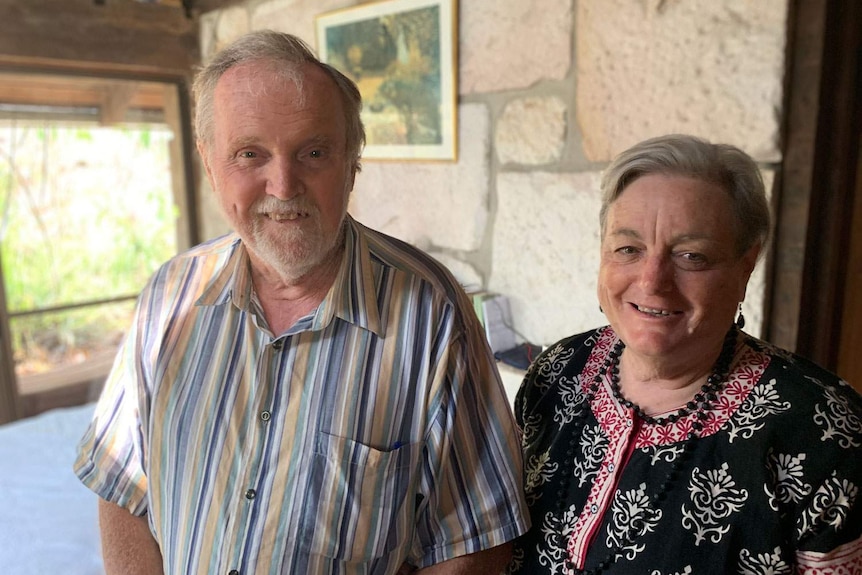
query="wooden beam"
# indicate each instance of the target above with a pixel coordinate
(203, 6)
(116, 100)
(849, 358)
(121, 35)
(56, 90)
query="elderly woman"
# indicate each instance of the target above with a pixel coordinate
(670, 441)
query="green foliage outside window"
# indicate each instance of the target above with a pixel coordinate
(86, 214)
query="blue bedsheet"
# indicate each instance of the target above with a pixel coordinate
(48, 519)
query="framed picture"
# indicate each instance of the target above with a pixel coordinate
(401, 54)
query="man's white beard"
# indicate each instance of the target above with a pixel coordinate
(296, 251)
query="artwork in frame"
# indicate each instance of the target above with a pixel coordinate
(401, 54)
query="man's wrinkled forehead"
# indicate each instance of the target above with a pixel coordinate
(264, 78)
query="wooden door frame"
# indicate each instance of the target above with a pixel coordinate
(8, 385)
(849, 358)
(818, 181)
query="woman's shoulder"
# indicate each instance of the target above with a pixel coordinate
(790, 366)
(804, 382)
(559, 364)
(568, 350)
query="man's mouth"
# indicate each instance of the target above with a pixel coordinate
(286, 216)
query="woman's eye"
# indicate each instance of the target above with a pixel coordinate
(624, 253)
(693, 257)
(692, 261)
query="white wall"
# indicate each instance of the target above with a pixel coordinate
(549, 92)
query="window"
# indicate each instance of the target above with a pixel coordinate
(93, 197)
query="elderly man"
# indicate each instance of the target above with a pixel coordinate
(304, 395)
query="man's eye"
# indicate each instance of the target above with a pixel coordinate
(315, 154)
(627, 250)
(247, 154)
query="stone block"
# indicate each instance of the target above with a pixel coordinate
(510, 44)
(466, 274)
(755, 295)
(531, 131)
(546, 252)
(430, 203)
(712, 69)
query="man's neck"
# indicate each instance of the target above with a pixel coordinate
(285, 301)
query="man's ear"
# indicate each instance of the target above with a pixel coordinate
(202, 152)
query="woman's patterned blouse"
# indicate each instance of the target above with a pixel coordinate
(770, 487)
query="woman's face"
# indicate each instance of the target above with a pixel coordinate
(670, 278)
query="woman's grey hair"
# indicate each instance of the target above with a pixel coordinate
(287, 51)
(681, 155)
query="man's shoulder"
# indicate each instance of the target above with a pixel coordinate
(220, 248)
(399, 257)
(195, 266)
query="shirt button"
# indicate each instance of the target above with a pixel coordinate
(250, 494)
(277, 344)
(629, 423)
(233, 572)
(265, 416)
(594, 508)
(610, 466)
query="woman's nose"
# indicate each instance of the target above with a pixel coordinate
(657, 274)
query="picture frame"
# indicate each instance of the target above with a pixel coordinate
(402, 55)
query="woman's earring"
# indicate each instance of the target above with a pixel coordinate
(740, 319)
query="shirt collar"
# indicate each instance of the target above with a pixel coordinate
(231, 281)
(352, 296)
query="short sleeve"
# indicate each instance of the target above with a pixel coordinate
(111, 454)
(829, 523)
(471, 488)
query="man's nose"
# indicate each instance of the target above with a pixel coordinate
(282, 179)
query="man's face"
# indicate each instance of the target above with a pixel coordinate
(277, 163)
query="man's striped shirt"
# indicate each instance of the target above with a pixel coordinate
(374, 431)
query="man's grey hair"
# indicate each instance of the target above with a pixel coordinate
(724, 165)
(285, 51)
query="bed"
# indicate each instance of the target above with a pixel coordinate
(48, 521)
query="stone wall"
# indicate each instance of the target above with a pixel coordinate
(549, 91)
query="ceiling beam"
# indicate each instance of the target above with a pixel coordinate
(123, 35)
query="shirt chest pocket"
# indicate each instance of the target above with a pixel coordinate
(357, 494)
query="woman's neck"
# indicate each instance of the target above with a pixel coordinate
(662, 385)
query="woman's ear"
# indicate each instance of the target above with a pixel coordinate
(749, 258)
(747, 263)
